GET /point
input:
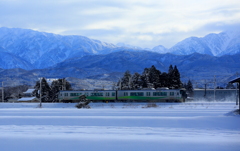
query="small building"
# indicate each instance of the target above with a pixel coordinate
(237, 80)
(28, 97)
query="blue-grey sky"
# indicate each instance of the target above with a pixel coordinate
(144, 23)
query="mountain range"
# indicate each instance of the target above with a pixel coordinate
(33, 54)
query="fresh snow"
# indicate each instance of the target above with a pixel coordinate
(198, 126)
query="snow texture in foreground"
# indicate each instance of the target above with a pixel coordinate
(118, 127)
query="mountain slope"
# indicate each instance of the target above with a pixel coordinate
(224, 43)
(190, 65)
(197, 67)
(45, 49)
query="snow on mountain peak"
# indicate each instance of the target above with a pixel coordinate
(212, 44)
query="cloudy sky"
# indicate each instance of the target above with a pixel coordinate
(144, 23)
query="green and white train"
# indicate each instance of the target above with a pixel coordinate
(148, 95)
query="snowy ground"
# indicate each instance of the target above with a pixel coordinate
(201, 126)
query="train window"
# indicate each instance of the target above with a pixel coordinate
(148, 93)
(75, 94)
(159, 93)
(171, 93)
(163, 93)
(136, 94)
(113, 94)
(86, 94)
(107, 94)
(65, 94)
(125, 93)
(96, 94)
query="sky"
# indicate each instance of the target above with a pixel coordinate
(143, 23)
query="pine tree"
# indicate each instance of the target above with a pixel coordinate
(45, 90)
(145, 78)
(125, 81)
(136, 81)
(154, 76)
(164, 80)
(176, 78)
(170, 77)
(50, 94)
(56, 86)
(189, 88)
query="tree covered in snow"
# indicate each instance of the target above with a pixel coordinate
(56, 86)
(189, 88)
(136, 81)
(145, 78)
(174, 77)
(125, 82)
(50, 92)
(42, 88)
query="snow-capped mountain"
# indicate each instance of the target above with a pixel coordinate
(29, 49)
(120, 44)
(224, 43)
(159, 49)
(45, 49)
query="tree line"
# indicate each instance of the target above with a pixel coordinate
(151, 78)
(49, 92)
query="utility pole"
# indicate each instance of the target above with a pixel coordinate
(40, 92)
(63, 85)
(237, 85)
(2, 93)
(205, 89)
(214, 88)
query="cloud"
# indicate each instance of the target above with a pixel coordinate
(136, 22)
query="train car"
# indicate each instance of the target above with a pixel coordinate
(93, 95)
(152, 95)
(145, 95)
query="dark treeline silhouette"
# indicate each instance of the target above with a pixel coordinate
(151, 78)
(49, 92)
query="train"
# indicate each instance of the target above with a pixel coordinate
(143, 95)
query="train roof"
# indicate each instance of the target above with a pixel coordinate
(142, 90)
(84, 90)
(214, 89)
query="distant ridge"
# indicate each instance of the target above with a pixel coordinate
(29, 49)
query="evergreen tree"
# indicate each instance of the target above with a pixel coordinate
(145, 78)
(154, 76)
(56, 86)
(189, 88)
(50, 94)
(170, 77)
(164, 80)
(125, 81)
(136, 81)
(170, 69)
(45, 90)
(176, 82)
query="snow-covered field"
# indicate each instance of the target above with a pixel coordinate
(201, 126)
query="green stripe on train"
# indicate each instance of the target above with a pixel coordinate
(100, 98)
(141, 98)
